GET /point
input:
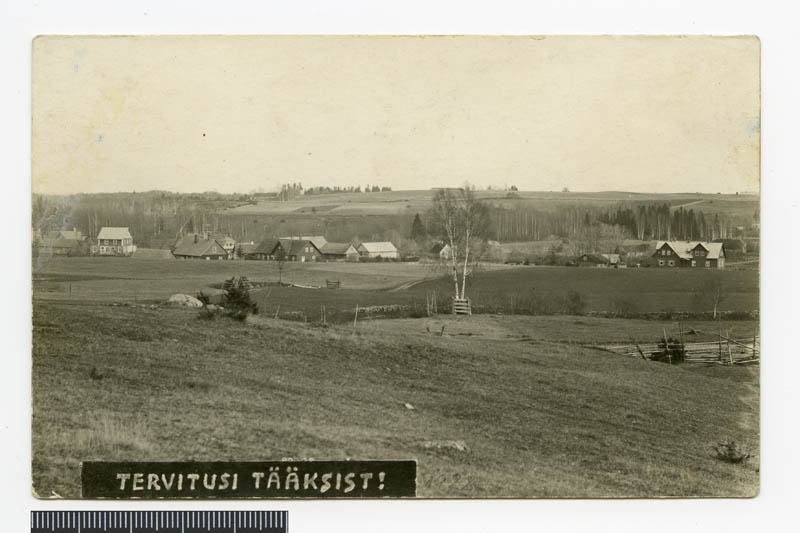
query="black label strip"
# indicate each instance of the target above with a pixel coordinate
(234, 480)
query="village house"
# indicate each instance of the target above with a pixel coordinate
(599, 260)
(304, 249)
(300, 249)
(441, 250)
(62, 242)
(114, 241)
(244, 250)
(689, 254)
(373, 250)
(199, 248)
(339, 251)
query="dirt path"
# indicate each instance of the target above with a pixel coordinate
(687, 205)
(407, 285)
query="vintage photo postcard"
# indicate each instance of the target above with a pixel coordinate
(395, 267)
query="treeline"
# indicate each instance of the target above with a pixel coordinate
(660, 222)
(650, 221)
(352, 189)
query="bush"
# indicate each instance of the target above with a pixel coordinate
(238, 304)
(573, 303)
(730, 452)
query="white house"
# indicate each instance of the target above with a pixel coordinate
(114, 241)
(385, 250)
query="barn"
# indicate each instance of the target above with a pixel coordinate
(339, 251)
(599, 260)
(198, 248)
(373, 250)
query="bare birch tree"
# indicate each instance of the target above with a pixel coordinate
(462, 221)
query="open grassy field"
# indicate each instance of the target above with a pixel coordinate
(395, 202)
(141, 279)
(501, 289)
(529, 290)
(503, 407)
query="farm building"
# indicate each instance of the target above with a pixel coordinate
(68, 247)
(198, 248)
(264, 251)
(339, 251)
(299, 250)
(599, 260)
(384, 250)
(228, 243)
(114, 241)
(244, 250)
(62, 242)
(441, 250)
(313, 249)
(690, 254)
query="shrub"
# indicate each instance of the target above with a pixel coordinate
(730, 452)
(238, 304)
(573, 303)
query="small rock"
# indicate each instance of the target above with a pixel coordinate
(409, 406)
(458, 445)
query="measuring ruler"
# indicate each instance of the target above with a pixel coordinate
(167, 521)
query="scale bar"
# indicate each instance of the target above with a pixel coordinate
(159, 521)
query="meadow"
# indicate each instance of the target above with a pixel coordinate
(501, 406)
(153, 280)
(492, 288)
(395, 202)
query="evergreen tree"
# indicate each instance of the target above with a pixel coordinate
(418, 231)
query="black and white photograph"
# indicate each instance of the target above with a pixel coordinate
(522, 266)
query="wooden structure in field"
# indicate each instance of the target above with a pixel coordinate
(333, 284)
(461, 306)
(723, 351)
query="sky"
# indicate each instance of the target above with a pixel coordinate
(239, 114)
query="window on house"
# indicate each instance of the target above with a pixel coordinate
(672, 263)
(660, 263)
(708, 264)
(694, 263)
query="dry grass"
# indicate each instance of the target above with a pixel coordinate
(536, 417)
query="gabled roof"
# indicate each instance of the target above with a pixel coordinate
(436, 248)
(59, 243)
(200, 248)
(72, 234)
(296, 246)
(317, 240)
(596, 258)
(338, 248)
(378, 247)
(247, 248)
(222, 238)
(267, 246)
(611, 258)
(114, 233)
(684, 249)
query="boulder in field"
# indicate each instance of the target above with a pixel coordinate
(184, 300)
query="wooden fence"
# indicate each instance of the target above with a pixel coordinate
(725, 350)
(461, 306)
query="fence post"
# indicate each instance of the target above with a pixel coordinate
(728, 335)
(355, 320)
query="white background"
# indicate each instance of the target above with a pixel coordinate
(773, 22)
